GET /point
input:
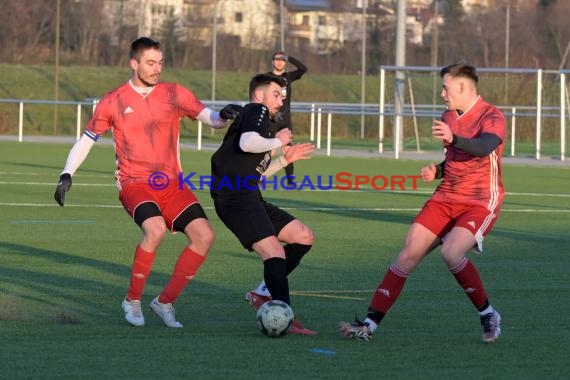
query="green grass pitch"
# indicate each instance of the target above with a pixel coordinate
(64, 272)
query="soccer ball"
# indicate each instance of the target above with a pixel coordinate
(274, 318)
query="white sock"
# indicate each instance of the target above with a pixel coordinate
(488, 310)
(262, 289)
(371, 324)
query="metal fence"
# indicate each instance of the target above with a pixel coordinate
(543, 90)
(322, 114)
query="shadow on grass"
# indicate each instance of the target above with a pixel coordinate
(53, 286)
(57, 169)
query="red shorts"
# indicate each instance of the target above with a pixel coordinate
(440, 218)
(171, 201)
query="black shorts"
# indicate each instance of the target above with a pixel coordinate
(251, 219)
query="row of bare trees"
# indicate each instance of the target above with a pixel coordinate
(537, 30)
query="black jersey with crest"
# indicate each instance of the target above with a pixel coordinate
(234, 170)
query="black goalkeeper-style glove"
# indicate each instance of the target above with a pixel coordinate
(231, 111)
(62, 187)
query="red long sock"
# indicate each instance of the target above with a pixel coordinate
(389, 289)
(468, 278)
(185, 269)
(140, 270)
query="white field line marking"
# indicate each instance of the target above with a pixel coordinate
(50, 221)
(29, 174)
(206, 188)
(56, 205)
(321, 294)
(341, 209)
(420, 190)
(55, 184)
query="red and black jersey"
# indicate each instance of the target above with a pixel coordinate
(469, 179)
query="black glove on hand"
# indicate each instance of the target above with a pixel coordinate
(231, 111)
(62, 187)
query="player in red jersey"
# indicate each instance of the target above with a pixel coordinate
(144, 116)
(463, 208)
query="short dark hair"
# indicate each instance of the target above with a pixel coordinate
(140, 45)
(460, 70)
(277, 54)
(263, 80)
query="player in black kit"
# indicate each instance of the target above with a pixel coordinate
(237, 169)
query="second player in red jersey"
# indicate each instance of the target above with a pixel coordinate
(463, 208)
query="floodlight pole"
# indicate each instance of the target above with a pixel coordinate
(282, 25)
(507, 47)
(399, 86)
(363, 68)
(56, 64)
(214, 48)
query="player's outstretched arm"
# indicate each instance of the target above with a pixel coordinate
(230, 111)
(212, 118)
(76, 156)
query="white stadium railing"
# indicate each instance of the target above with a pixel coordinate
(381, 110)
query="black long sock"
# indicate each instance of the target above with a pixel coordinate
(275, 276)
(294, 253)
(376, 316)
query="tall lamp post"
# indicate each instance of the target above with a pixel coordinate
(434, 50)
(507, 42)
(398, 127)
(56, 64)
(363, 68)
(282, 25)
(214, 48)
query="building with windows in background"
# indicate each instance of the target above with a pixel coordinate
(322, 26)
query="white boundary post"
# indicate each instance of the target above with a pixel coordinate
(78, 129)
(199, 142)
(319, 116)
(381, 110)
(312, 122)
(513, 125)
(562, 116)
(329, 133)
(21, 122)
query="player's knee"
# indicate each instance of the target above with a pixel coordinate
(307, 236)
(408, 259)
(311, 237)
(203, 239)
(155, 232)
(450, 257)
(207, 238)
